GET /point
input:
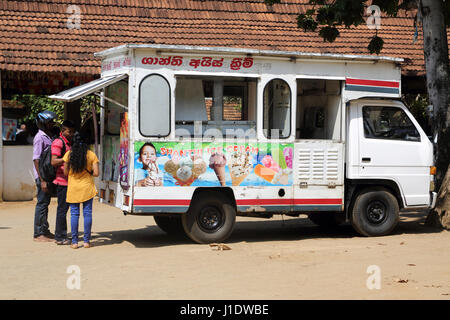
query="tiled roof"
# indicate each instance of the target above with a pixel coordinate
(35, 37)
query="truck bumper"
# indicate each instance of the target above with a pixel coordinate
(433, 196)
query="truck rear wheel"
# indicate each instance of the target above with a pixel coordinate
(169, 224)
(326, 219)
(210, 218)
(375, 212)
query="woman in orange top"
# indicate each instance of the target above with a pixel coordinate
(81, 166)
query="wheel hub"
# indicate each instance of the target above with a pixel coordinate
(376, 212)
(210, 219)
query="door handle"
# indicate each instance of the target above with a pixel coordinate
(365, 159)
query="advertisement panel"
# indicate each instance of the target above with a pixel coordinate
(212, 164)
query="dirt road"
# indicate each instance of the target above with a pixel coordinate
(288, 258)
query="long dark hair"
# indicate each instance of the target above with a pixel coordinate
(77, 161)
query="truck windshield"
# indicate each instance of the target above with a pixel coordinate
(388, 123)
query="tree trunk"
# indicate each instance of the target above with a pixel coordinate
(438, 82)
(440, 216)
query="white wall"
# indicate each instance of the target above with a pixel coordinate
(190, 100)
(334, 117)
(18, 181)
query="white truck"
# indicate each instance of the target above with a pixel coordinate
(198, 135)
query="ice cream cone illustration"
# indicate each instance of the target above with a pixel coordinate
(282, 176)
(268, 162)
(288, 156)
(198, 168)
(217, 162)
(171, 167)
(184, 176)
(186, 170)
(240, 167)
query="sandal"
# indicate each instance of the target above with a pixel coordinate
(74, 245)
(87, 245)
(62, 242)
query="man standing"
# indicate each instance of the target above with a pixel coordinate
(42, 140)
(59, 147)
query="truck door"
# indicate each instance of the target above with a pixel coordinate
(392, 146)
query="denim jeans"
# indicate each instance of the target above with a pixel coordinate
(41, 211)
(61, 213)
(87, 217)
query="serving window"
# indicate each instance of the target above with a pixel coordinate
(154, 106)
(115, 92)
(215, 107)
(277, 109)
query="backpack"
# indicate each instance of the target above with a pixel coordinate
(46, 170)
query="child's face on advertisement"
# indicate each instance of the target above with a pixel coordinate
(148, 155)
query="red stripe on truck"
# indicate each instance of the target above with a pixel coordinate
(376, 83)
(247, 202)
(161, 202)
(241, 202)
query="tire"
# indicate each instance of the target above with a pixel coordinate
(210, 218)
(326, 219)
(375, 212)
(169, 224)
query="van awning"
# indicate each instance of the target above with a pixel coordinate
(87, 88)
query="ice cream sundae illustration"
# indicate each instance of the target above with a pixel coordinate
(273, 172)
(217, 162)
(185, 170)
(240, 167)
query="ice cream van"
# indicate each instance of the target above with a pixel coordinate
(196, 136)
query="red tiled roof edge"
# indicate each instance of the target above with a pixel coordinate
(37, 35)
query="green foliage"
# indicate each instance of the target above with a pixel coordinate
(86, 107)
(389, 7)
(329, 33)
(375, 45)
(418, 105)
(271, 2)
(306, 22)
(332, 14)
(349, 12)
(35, 104)
(326, 15)
(447, 13)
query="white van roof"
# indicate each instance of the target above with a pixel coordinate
(226, 50)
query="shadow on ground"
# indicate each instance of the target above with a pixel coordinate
(258, 231)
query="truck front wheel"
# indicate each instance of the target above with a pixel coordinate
(375, 212)
(210, 218)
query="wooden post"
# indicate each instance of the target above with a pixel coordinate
(94, 120)
(72, 112)
(217, 107)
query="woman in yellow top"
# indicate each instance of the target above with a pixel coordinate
(81, 166)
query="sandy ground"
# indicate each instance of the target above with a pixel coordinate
(280, 258)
